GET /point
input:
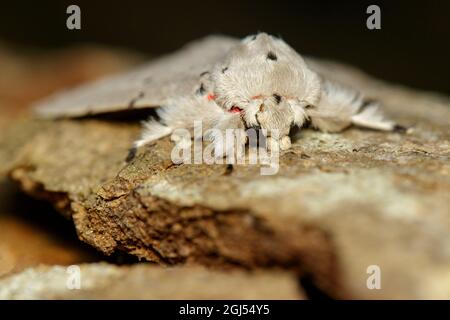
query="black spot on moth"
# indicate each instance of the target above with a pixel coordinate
(133, 101)
(254, 37)
(277, 98)
(224, 69)
(400, 129)
(228, 169)
(271, 56)
(204, 73)
(201, 90)
(131, 154)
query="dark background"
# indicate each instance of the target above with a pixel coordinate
(412, 47)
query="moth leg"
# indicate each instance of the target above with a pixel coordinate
(189, 112)
(175, 137)
(371, 117)
(181, 139)
(152, 130)
(184, 113)
(281, 144)
(272, 143)
(285, 143)
(224, 127)
(223, 147)
(341, 106)
(178, 113)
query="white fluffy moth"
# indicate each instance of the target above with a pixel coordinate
(257, 82)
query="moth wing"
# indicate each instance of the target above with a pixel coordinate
(150, 85)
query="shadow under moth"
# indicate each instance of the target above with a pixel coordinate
(258, 82)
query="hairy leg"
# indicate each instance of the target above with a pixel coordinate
(184, 113)
(340, 107)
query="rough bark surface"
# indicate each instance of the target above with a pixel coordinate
(339, 203)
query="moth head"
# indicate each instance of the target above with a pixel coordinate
(268, 81)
